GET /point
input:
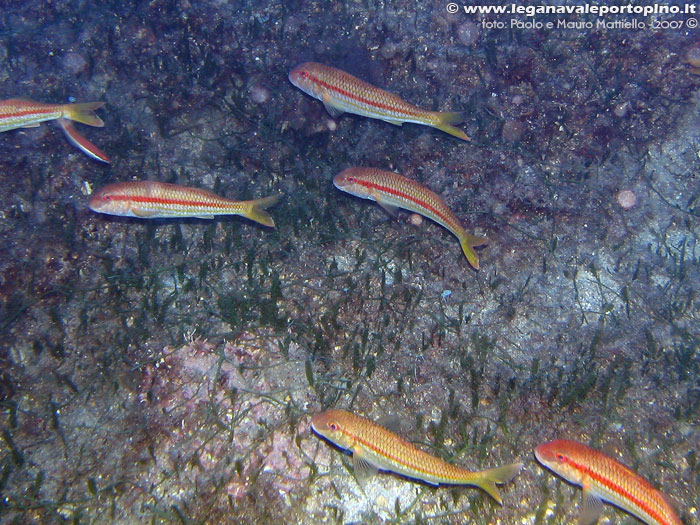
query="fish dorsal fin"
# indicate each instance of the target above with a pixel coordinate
(669, 501)
(364, 470)
(592, 507)
(333, 111)
(390, 208)
(390, 422)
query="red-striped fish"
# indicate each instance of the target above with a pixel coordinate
(20, 113)
(604, 478)
(391, 191)
(153, 200)
(81, 142)
(374, 447)
(340, 91)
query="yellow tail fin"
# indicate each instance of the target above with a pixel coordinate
(468, 242)
(257, 212)
(83, 113)
(487, 479)
(444, 121)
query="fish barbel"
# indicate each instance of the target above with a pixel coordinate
(340, 91)
(391, 191)
(604, 478)
(153, 200)
(20, 113)
(374, 447)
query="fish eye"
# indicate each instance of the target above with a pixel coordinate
(352, 179)
(107, 197)
(560, 457)
(303, 74)
(333, 426)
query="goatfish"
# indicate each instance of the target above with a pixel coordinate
(392, 191)
(19, 113)
(340, 92)
(81, 142)
(374, 447)
(605, 479)
(156, 200)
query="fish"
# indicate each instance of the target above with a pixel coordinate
(340, 92)
(391, 191)
(605, 479)
(374, 447)
(81, 142)
(20, 113)
(157, 200)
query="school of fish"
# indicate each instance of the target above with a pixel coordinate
(373, 447)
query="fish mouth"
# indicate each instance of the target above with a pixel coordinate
(95, 203)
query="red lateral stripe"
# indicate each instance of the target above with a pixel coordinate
(397, 459)
(25, 112)
(407, 196)
(619, 490)
(162, 200)
(367, 101)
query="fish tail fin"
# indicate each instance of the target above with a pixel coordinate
(256, 211)
(468, 242)
(444, 121)
(487, 479)
(84, 113)
(81, 142)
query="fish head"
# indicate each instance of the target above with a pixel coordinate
(304, 77)
(332, 425)
(351, 181)
(110, 200)
(559, 456)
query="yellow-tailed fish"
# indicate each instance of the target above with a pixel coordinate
(153, 200)
(20, 113)
(340, 91)
(374, 447)
(391, 191)
(604, 478)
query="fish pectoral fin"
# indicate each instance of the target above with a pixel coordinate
(204, 216)
(390, 208)
(333, 111)
(394, 122)
(142, 214)
(592, 507)
(364, 470)
(35, 125)
(669, 501)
